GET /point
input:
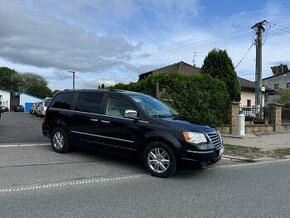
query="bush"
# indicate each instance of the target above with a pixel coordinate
(199, 98)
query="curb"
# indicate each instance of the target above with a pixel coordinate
(31, 144)
(251, 160)
(238, 158)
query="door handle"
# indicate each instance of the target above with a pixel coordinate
(95, 120)
(105, 121)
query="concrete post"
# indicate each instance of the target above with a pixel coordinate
(235, 110)
(277, 112)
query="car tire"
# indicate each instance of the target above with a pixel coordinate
(159, 159)
(59, 141)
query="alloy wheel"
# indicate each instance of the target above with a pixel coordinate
(158, 160)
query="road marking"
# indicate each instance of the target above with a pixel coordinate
(69, 183)
(23, 145)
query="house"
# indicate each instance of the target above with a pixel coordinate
(25, 100)
(5, 98)
(279, 80)
(248, 93)
(180, 67)
(247, 87)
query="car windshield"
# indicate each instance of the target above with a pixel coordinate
(152, 106)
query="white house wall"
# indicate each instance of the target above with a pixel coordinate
(246, 95)
(24, 98)
(27, 100)
(5, 98)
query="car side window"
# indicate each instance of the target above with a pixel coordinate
(117, 107)
(89, 102)
(63, 101)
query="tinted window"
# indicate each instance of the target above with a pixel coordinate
(117, 107)
(63, 100)
(46, 102)
(152, 106)
(89, 102)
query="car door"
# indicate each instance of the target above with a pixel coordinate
(120, 134)
(86, 119)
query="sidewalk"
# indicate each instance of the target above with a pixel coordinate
(267, 141)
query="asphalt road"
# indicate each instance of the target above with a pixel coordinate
(37, 182)
(42, 183)
(21, 128)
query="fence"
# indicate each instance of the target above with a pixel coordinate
(272, 118)
(257, 115)
(285, 115)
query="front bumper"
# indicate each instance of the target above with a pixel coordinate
(192, 158)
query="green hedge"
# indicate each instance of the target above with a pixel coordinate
(199, 98)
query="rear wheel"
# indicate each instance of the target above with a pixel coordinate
(159, 159)
(59, 141)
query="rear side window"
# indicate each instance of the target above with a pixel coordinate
(63, 100)
(89, 102)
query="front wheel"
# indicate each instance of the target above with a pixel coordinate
(159, 159)
(59, 141)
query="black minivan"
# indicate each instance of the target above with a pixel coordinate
(133, 124)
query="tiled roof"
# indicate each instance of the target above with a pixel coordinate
(180, 67)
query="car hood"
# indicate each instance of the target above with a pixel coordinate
(187, 126)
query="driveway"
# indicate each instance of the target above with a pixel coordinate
(20, 128)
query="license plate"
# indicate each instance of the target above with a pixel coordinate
(221, 151)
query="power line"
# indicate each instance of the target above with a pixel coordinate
(244, 55)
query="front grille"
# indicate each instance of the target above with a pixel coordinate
(215, 138)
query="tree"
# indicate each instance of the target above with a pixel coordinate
(219, 65)
(199, 98)
(34, 85)
(27, 82)
(284, 96)
(8, 79)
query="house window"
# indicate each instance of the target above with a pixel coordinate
(288, 85)
(276, 86)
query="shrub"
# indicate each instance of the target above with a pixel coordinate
(199, 98)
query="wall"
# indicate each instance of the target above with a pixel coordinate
(27, 100)
(281, 79)
(255, 128)
(5, 98)
(245, 95)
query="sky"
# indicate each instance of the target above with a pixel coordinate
(107, 42)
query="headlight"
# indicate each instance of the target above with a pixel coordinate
(194, 137)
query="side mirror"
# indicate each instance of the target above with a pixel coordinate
(132, 114)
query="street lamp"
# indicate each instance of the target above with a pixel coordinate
(73, 72)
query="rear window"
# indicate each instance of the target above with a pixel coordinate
(89, 102)
(46, 102)
(63, 100)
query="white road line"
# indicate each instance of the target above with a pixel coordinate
(23, 145)
(69, 183)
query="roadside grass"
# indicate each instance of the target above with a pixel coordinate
(252, 153)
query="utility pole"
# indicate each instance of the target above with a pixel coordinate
(73, 72)
(259, 29)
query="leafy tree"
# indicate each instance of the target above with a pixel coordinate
(284, 96)
(8, 79)
(199, 98)
(219, 65)
(34, 85)
(28, 82)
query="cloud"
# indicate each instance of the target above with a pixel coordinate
(115, 41)
(42, 41)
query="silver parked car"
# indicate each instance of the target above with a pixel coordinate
(41, 109)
